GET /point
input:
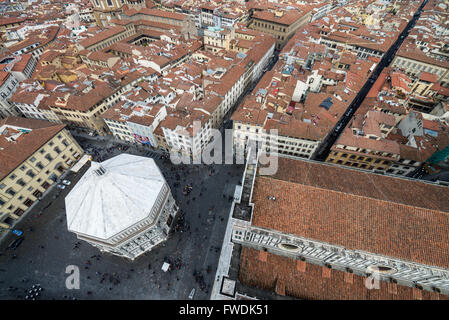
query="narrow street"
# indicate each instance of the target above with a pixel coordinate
(324, 149)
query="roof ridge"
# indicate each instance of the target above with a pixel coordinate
(355, 195)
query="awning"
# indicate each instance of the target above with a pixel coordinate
(81, 163)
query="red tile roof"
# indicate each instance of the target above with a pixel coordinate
(12, 154)
(103, 35)
(358, 210)
(313, 282)
(429, 77)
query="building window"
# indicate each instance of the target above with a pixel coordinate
(28, 202)
(19, 212)
(12, 177)
(45, 185)
(11, 191)
(31, 173)
(39, 165)
(381, 269)
(288, 246)
(37, 193)
(21, 182)
(169, 221)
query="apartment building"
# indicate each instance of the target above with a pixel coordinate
(8, 23)
(210, 15)
(425, 48)
(135, 123)
(115, 119)
(188, 129)
(36, 41)
(21, 67)
(282, 24)
(413, 62)
(216, 38)
(8, 85)
(98, 59)
(32, 104)
(280, 119)
(378, 142)
(33, 155)
(275, 133)
(229, 88)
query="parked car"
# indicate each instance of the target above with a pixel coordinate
(17, 232)
(61, 186)
(16, 243)
(66, 182)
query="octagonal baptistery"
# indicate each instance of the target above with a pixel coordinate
(123, 206)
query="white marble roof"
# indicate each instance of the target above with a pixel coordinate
(102, 206)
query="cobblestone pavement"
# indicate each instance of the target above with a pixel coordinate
(48, 248)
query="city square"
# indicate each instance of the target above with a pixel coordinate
(192, 250)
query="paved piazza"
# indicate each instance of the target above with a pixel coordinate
(49, 248)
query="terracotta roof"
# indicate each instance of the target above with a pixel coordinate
(292, 127)
(157, 13)
(415, 54)
(313, 282)
(103, 35)
(21, 65)
(358, 210)
(4, 75)
(12, 20)
(429, 77)
(287, 18)
(12, 154)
